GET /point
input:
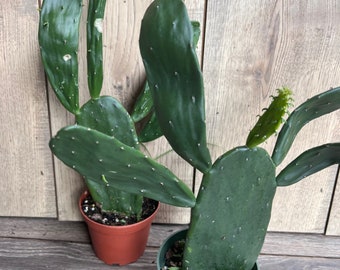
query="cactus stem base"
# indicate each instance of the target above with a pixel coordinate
(95, 213)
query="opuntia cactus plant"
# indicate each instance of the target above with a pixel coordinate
(230, 216)
(58, 39)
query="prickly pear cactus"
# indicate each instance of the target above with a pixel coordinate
(232, 212)
(175, 79)
(58, 38)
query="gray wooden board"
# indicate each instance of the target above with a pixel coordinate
(20, 254)
(29, 243)
(24, 254)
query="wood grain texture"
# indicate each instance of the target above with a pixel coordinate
(297, 263)
(50, 244)
(44, 229)
(302, 245)
(27, 181)
(250, 50)
(38, 254)
(281, 244)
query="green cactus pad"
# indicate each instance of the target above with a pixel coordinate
(95, 18)
(271, 119)
(309, 162)
(143, 104)
(58, 39)
(232, 211)
(151, 131)
(175, 79)
(105, 159)
(315, 107)
(107, 115)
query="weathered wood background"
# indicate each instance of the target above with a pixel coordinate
(247, 50)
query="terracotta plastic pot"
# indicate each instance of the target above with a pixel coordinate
(118, 245)
(168, 243)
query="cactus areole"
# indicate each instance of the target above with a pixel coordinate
(230, 215)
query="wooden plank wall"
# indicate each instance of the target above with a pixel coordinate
(251, 49)
(26, 172)
(248, 49)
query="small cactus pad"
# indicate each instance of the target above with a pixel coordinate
(150, 130)
(309, 162)
(95, 18)
(107, 115)
(271, 119)
(105, 159)
(315, 107)
(175, 79)
(143, 104)
(58, 39)
(229, 222)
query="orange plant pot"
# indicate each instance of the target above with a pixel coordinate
(118, 245)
